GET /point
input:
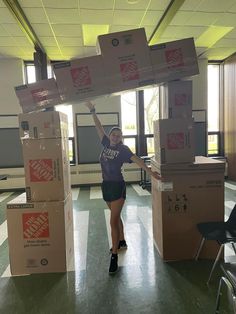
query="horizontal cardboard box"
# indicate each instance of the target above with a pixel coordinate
(40, 236)
(176, 99)
(182, 200)
(37, 96)
(174, 60)
(47, 169)
(126, 59)
(43, 124)
(81, 79)
(174, 140)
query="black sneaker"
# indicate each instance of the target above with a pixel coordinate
(122, 246)
(113, 264)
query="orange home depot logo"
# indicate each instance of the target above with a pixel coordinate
(35, 225)
(41, 170)
(129, 71)
(174, 58)
(80, 76)
(175, 140)
(39, 94)
(181, 99)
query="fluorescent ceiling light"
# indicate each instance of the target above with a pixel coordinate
(91, 32)
(212, 35)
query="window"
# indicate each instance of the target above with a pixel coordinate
(128, 119)
(30, 73)
(213, 109)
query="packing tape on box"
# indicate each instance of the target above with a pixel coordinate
(165, 186)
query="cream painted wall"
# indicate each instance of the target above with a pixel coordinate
(11, 75)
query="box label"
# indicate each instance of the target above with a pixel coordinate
(35, 225)
(80, 76)
(41, 170)
(39, 95)
(174, 58)
(175, 141)
(129, 71)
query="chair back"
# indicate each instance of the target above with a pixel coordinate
(231, 222)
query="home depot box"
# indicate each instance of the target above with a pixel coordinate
(47, 170)
(39, 95)
(126, 59)
(174, 60)
(43, 124)
(81, 79)
(176, 99)
(173, 140)
(188, 194)
(40, 236)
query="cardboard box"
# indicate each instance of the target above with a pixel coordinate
(37, 96)
(126, 59)
(176, 99)
(40, 236)
(43, 124)
(47, 169)
(188, 194)
(174, 60)
(81, 79)
(173, 140)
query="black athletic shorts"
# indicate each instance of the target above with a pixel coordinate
(112, 191)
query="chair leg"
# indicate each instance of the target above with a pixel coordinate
(199, 249)
(218, 297)
(215, 263)
(233, 246)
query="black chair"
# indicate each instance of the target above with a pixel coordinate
(221, 232)
(229, 280)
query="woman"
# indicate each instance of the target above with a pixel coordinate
(113, 155)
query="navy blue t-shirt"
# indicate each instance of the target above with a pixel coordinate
(112, 159)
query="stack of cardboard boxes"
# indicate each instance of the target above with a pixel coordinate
(124, 61)
(192, 189)
(40, 222)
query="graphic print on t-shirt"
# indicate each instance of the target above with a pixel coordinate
(109, 153)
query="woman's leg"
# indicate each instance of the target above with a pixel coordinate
(121, 225)
(116, 223)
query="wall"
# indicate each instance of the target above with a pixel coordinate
(11, 75)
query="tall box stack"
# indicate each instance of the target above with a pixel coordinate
(192, 188)
(40, 222)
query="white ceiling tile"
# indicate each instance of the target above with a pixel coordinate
(100, 5)
(64, 16)
(122, 17)
(151, 18)
(30, 3)
(96, 16)
(202, 19)
(72, 51)
(190, 5)
(48, 41)
(149, 30)
(15, 41)
(89, 51)
(187, 31)
(42, 29)
(215, 6)
(70, 41)
(13, 29)
(121, 28)
(67, 30)
(124, 5)
(62, 4)
(219, 53)
(159, 4)
(181, 18)
(6, 16)
(231, 34)
(2, 4)
(35, 15)
(226, 19)
(224, 42)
